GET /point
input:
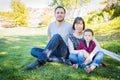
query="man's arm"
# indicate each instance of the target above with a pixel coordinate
(49, 32)
(49, 38)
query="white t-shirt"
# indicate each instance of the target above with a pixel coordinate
(63, 30)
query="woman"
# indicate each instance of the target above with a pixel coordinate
(77, 56)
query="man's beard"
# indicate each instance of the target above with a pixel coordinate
(60, 20)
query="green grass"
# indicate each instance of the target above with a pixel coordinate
(113, 46)
(15, 55)
(108, 31)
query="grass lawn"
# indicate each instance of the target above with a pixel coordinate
(15, 55)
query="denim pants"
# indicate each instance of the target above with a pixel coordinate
(79, 59)
(56, 50)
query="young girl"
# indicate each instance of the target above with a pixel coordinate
(77, 56)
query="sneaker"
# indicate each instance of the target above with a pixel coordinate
(33, 65)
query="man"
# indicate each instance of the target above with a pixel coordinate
(56, 49)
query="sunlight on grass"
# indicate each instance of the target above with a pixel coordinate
(113, 46)
(16, 47)
(18, 56)
(3, 53)
(15, 55)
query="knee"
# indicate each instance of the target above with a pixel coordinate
(81, 54)
(32, 51)
(57, 36)
(71, 56)
(100, 53)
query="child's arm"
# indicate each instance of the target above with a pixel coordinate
(86, 54)
(88, 59)
(97, 47)
(92, 54)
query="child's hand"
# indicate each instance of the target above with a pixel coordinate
(88, 60)
(86, 54)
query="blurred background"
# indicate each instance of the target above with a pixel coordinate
(36, 13)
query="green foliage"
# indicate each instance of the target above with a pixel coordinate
(20, 11)
(103, 15)
(108, 31)
(47, 19)
(113, 46)
(19, 14)
(69, 3)
(116, 11)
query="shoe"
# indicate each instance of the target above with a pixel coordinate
(33, 65)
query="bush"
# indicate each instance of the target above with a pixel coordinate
(47, 19)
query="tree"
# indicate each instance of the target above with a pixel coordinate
(20, 12)
(70, 5)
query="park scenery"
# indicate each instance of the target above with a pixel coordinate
(24, 27)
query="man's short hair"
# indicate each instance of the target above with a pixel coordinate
(60, 7)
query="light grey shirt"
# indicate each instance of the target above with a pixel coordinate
(64, 30)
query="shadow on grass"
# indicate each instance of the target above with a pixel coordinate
(15, 54)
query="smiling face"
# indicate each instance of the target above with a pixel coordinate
(79, 26)
(60, 14)
(88, 36)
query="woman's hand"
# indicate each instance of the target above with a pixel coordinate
(88, 59)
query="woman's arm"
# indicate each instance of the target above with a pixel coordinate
(71, 47)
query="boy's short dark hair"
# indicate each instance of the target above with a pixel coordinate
(60, 7)
(89, 30)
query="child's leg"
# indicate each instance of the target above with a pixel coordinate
(81, 60)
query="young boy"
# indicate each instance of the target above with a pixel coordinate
(87, 46)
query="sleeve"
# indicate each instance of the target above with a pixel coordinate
(97, 47)
(49, 31)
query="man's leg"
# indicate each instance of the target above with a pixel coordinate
(35, 52)
(56, 46)
(52, 45)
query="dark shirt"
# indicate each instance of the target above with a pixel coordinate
(75, 41)
(83, 45)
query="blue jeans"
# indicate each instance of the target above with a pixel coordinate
(79, 59)
(56, 50)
